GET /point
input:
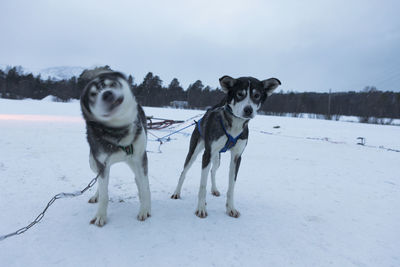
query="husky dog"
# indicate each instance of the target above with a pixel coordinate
(116, 131)
(222, 128)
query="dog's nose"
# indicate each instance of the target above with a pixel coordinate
(248, 111)
(108, 96)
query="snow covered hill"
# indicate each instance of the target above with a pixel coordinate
(61, 73)
(55, 73)
(308, 195)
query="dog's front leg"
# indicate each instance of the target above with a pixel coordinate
(233, 171)
(93, 166)
(101, 216)
(95, 197)
(142, 181)
(201, 206)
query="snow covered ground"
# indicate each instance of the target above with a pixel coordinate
(308, 195)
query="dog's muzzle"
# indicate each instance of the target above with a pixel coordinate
(111, 100)
(248, 112)
(108, 97)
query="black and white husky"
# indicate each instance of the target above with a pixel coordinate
(116, 131)
(222, 128)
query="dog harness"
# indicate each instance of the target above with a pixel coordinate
(231, 142)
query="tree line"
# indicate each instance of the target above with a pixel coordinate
(369, 103)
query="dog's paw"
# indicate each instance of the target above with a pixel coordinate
(201, 213)
(215, 193)
(93, 199)
(233, 212)
(143, 215)
(176, 196)
(99, 220)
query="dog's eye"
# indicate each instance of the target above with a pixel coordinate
(102, 84)
(113, 84)
(256, 96)
(93, 94)
(240, 94)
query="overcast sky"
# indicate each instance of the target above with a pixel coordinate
(309, 45)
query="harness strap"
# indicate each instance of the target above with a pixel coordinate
(199, 127)
(231, 142)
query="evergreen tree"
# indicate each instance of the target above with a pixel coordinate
(194, 94)
(175, 91)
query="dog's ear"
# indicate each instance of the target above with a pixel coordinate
(270, 85)
(84, 101)
(120, 75)
(227, 83)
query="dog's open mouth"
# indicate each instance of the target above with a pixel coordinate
(113, 106)
(117, 103)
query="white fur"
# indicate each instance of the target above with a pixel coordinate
(214, 168)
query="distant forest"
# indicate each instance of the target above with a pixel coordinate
(369, 105)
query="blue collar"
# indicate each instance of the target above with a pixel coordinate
(231, 142)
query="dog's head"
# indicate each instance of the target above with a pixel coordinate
(245, 95)
(107, 97)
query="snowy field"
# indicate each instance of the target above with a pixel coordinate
(307, 193)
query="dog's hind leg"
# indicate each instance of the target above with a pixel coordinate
(196, 146)
(142, 182)
(215, 165)
(101, 216)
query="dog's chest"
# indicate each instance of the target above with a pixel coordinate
(128, 138)
(234, 127)
(235, 130)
